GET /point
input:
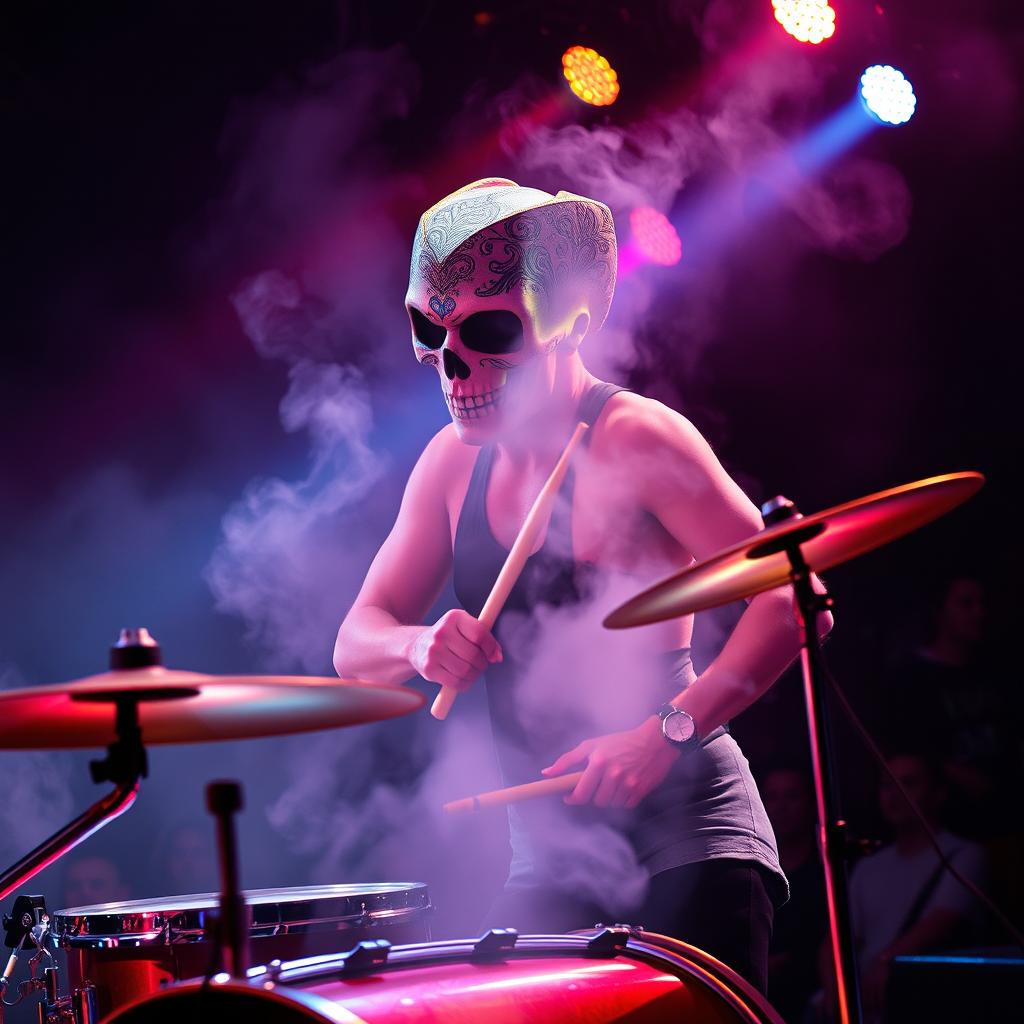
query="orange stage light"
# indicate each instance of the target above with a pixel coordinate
(590, 76)
(809, 21)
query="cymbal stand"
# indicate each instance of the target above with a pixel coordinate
(124, 765)
(832, 829)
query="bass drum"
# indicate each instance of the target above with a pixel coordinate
(131, 949)
(584, 978)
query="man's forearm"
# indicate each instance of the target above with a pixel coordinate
(762, 646)
(372, 644)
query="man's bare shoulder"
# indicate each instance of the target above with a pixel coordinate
(634, 425)
(445, 461)
(445, 449)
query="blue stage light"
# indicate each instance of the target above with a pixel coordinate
(887, 94)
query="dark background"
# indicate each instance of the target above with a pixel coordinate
(136, 410)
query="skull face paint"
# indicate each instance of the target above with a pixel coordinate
(499, 276)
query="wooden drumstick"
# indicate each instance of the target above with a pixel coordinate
(514, 794)
(535, 521)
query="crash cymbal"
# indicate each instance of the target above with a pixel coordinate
(826, 539)
(188, 707)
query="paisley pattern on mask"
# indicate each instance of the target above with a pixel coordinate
(527, 238)
(446, 226)
(444, 277)
(550, 247)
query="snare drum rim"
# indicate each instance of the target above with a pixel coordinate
(173, 919)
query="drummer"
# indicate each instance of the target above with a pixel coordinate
(506, 284)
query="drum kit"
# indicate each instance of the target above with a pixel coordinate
(363, 952)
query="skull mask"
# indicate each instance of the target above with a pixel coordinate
(501, 275)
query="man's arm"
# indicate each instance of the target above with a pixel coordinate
(381, 637)
(685, 486)
(679, 480)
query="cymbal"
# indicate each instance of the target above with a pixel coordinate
(188, 707)
(826, 539)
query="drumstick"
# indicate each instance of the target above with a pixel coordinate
(521, 550)
(514, 794)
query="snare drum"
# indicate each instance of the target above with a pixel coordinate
(130, 949)
(583, 978)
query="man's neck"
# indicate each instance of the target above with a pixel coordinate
(544, 444)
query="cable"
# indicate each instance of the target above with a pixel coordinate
(876, 752)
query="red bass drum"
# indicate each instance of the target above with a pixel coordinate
(615, 974)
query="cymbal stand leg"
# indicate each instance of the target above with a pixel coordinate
(832, 840)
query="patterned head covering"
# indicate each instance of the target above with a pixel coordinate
(526, 237)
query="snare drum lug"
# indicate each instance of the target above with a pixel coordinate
(84, 1004)
(366, 955)
(495, 942)
(609, 941)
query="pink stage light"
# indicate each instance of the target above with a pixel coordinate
(655, 237)
(809, 21)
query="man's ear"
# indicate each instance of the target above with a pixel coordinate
(574, 338)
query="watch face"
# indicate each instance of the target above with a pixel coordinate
(678, 727)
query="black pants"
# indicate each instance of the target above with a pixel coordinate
(720, 906)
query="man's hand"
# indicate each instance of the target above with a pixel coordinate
(454, 651)
(621, 768)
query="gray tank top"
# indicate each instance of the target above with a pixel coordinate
(707, 807)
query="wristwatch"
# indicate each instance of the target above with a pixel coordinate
(678, 727)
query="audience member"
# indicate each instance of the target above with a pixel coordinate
(90, 879)
(952, 700)
(186, 860)
(902, 901)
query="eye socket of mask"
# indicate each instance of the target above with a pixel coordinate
(493, 331)
(428, 334)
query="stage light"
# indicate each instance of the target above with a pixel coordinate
(809, 21)
(590, 76)
(887, 94)
(655, 237)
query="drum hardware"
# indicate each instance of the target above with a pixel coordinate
(788, 551)
(29, 920)
(137, 702)
(495, 943)
(617, 973)
(167, 706)
(132, 948)
(231, 932)
(611, 938)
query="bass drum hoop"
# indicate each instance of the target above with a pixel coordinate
(280, 981)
